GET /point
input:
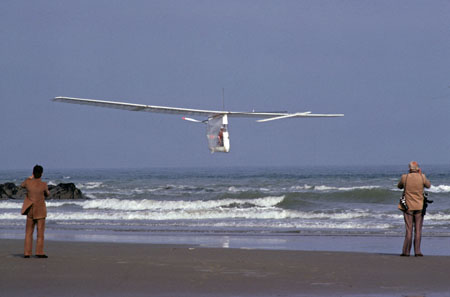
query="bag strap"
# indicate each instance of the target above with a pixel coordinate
(404, 188)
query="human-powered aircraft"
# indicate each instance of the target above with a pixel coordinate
(216, 122)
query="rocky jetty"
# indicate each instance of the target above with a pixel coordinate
(61, 191)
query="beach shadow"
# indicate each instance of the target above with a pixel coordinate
(17, 255)
(389, 254)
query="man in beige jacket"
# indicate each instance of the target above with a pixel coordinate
(413, 184)
(36, 211)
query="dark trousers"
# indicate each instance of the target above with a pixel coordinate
(413, 220)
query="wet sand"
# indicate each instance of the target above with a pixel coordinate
(121, 269)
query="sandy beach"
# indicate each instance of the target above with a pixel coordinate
(120, 269)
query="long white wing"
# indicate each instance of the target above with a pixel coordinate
(187, 111)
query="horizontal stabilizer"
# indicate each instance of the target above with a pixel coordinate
(299, 115)
(192, 120)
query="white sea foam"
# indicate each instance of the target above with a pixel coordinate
(146, 204)
(439, 189)
(63, 203)
(260, 208)
(158, 216)
(274, 218)
(90, 185)
(336, 225)
(289, 225)
(265, 211)
(10, 204)
(329, 188)
(18, 204)
(438, 216)
(354, 214)
(233, 189)
(11, 216)
(300, 188)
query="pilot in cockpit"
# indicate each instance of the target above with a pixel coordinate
(220, 137)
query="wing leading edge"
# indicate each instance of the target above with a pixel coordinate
(267, 116)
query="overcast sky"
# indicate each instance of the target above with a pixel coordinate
(385, 64)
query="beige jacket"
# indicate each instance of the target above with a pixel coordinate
(34, 201)
(415, 183)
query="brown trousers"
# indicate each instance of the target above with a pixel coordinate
(413, 220)
(31, 223)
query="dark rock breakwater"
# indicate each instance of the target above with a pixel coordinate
(61, 191)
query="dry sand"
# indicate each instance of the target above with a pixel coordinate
(116, 269)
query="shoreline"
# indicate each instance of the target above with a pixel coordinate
(358, 243)
(136, 269)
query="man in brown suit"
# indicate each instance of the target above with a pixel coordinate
(36, 211)
(413, 184)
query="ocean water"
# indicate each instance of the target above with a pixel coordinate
(321, 208)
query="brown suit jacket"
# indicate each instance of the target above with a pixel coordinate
(415, 184)
(34, 201)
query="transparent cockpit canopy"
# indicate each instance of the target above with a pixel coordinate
(214, 133)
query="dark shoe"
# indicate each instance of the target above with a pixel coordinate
(404, 255)
(26, 256)
(419, 255)
(42, 256)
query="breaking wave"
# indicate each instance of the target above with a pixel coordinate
(145, 204)
(328, 188)
(439, 189)
(276, 215)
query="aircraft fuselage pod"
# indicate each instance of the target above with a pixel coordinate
(217, 134)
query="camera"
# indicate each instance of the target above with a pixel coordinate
(426, 201)
(425, 198)
(403, 203)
